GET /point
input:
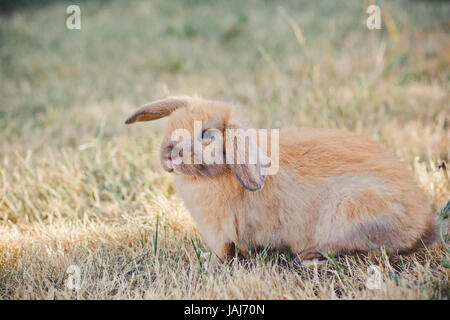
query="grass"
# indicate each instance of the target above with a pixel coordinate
(78, 187)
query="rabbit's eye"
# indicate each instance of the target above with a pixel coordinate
(208, 135)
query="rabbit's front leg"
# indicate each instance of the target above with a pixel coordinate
(230, 251)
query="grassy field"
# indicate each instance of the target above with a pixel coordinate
(78, 187)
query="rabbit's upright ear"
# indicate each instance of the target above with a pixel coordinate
(157, 109)
(246, 159)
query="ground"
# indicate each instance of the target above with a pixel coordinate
(78, 187)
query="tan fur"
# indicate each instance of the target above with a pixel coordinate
(335, 191)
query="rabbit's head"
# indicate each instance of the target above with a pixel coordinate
(198, 140)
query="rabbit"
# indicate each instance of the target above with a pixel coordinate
(334, 191)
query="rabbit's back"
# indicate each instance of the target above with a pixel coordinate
(359, 194)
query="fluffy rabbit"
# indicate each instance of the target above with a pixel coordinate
(334, 192)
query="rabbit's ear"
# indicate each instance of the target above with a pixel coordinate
(246, 161)
(157, 109)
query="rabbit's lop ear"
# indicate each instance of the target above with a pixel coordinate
(245, 158)
(157, 109)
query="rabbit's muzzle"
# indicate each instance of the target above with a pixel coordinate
(174, 160)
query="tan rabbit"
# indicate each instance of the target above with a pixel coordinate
(334, 192)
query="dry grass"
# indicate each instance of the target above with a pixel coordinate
(77, 187)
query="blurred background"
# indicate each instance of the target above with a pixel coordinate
(303, 63)
(66, 158)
